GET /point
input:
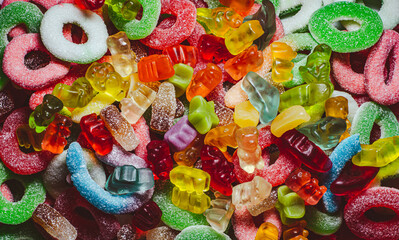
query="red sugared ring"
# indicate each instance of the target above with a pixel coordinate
(362, 226)
(32, 79)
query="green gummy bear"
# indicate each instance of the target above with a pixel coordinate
(45, 112)
(79, 94)
(202, 114)
(290, 205)
(322, 223)
(182, 78)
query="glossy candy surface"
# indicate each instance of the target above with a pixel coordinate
(96, 134)
(79, 94)
(237, 40)
(159, 157)
(204, 81)
(155, 68)
(222, 137)
(249, 151)
(44, 113)
(282, 55)
(267, 231)
(248, 60)
(123, 58)
(202, 115)
(378, 154)
(187, 55)
(54, 139)
(251, 193)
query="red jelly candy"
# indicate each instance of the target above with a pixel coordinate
(160, 158)
(212, 48)
(96, 134)
(90, 4)
(148, 216)
(182, 54)
(54, 139)
(11, 155)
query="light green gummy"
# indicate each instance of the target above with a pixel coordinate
(201, 233)
(173, 216)
(136, 29)
(18, 212)
(322, 223)
(182, 78)
(202, 114)
(370, 113)
(25, 231)
(322, 29)
(290, 205)
(392, 169)
(12, 15)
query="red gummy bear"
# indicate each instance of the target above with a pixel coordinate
(304, 150)
(212, 48)
(182, 54)
(147, 217)
(301, 182)
(90, 4)
(221, 171)
(54, 139)
(96, 134)
(160, 158)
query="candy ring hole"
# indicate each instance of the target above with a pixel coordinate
(389, 65)
(84, 214)
(16, 31)
(357, 62)
(291, 12)
(36, 59)
(274, 153)
(78, 35)
(376, 5)
(375, 133)
(340, 24)
(17, 189)
(380, 214)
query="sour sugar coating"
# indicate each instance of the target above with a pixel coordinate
(340, 41)
(119, 127)
(322, 223)
(103, 200)
(92, 24)
(201, 233)
(380, 86)
(180, 135)
(370, 113)
(12, 15)
(362, 226)
(36, 78)
(163, 108)
(161, 233)
(11, 155)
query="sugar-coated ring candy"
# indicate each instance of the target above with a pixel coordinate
(22, 231)
(388, 13)
(322, 223)
(12, 15)
(383, 88)
(360, 225)
(138, 29)
(11, 155)
(119, 157)
(185, 12)
(89, 189)
(143, 134)
(275, 173)
(55, 175)
(343, 153)
(32, 79)
(321, 28)
(300, 20)
(19, 212)
(44, 3)
(104, 226)
(201, 232)
(92, 24)
(369, 113)
(244, 226)
(173, 216)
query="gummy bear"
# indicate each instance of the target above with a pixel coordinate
(267, 204)
(154, 68)
(190, 179)
(182, 78)
(218, 21)
(249, 151)
(54, 139)
(282, 55)
(123, 58)
(220, 214)
(96, 134)
(239, 39)
(262, 95)
(119, 127)
(220, 170)
(90, 4)
(160, 159)
(202, 114)
(103, 78)
(212, 48)
(245, 115)
(301, 182)
(317, 68)
(163, 108)
(222, 137)
(187, 55)
(296, 231)
(190, 201)
(28, 137)
(127, 179)
(249, 60)
(240, 6)
(44, 114)
(290, 205)
(130, 8)
(147, 217)
(337, 107)
(180, 135)
(379, 154)
(251, 193)
(267, 231)
(79, 94)
(189, 155)
(204, 81)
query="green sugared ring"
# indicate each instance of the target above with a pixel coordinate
(18, 212)
(322, 29)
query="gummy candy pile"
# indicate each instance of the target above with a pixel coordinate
(199, 119)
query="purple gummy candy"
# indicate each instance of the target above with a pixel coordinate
(119, 157)
(180, 135)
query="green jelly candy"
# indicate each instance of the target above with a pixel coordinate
(322, 223)
(25, 231)
(18, 212)
(135, 29)
(130, 8)
(317, 68)
(201, 233)
(370, 113)
(290, 205)
(128, 179)
(389, 170)
(12, 15)
(322, 29)
(173, 216)
(202, 114)
(315, 112)
(182, 78)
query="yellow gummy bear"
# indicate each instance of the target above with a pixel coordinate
(289, 119)
(245, 115)
(190, 179)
